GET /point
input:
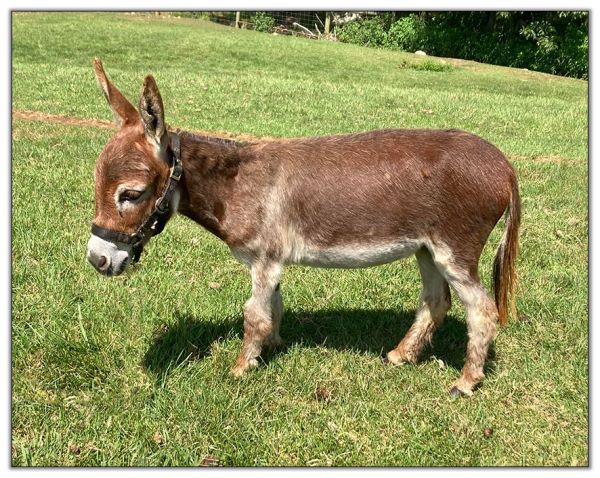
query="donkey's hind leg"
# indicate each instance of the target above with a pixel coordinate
(262, 313)
(434, 303)
(482, 316)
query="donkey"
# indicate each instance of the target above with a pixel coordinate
(342, 201)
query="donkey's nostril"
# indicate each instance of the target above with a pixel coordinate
(102, 262)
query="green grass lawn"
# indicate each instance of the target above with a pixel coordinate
(135, 370)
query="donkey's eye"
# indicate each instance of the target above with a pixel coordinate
(130, 195)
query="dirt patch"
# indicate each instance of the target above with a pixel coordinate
(105, 124)
(543, 159)
(61, 119)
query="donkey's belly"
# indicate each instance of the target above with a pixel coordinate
(355, 255)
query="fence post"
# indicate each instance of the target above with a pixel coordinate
(327, 22)
(237, 19)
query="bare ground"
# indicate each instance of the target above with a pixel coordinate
(105, 124)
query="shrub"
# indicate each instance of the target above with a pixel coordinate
(406, 34)
(367, 32)
(565, 53)
(262, 22)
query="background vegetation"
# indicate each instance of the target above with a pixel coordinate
(553, 42)
(135, 370)
(550, 41)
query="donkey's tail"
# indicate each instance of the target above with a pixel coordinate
(504, 273)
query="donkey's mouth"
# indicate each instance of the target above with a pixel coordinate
(112, 271)
(116, 271)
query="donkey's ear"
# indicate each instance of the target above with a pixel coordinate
(124, 111)
(153, 113)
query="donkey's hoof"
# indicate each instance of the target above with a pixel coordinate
(241, 367)
(238, 371)
(457, 392)
(393, 357)
(396, 358)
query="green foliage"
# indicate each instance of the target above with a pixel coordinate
(369, 32)
(426, 65)
(406, 34)
(431, 65)
(557, 52)
(553, 42)
(262, 22)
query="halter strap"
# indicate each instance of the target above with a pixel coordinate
(156, 221)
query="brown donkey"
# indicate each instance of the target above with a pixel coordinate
(338, 201)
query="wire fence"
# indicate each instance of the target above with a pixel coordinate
(303, 23)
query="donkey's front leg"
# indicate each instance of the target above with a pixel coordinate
(262, 314)
(275, 340)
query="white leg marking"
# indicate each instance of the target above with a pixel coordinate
(434, 303)
(258, 314)
(481, 316)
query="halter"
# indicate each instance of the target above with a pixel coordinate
(157, 220)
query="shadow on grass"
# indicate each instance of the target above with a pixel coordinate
(372, 331)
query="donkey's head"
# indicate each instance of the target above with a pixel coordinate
(131, 174)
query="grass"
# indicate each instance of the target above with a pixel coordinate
(135, 370)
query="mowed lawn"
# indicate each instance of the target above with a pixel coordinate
(135, 370)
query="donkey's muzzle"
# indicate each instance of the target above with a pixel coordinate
(108, 258)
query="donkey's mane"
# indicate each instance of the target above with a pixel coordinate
(211, 140)
(216, 155)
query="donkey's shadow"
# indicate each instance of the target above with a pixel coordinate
(361, 330)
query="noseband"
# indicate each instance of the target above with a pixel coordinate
(156, 221)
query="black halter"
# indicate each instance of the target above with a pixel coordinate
(157, 220)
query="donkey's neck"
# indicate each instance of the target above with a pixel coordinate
(210, 168)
